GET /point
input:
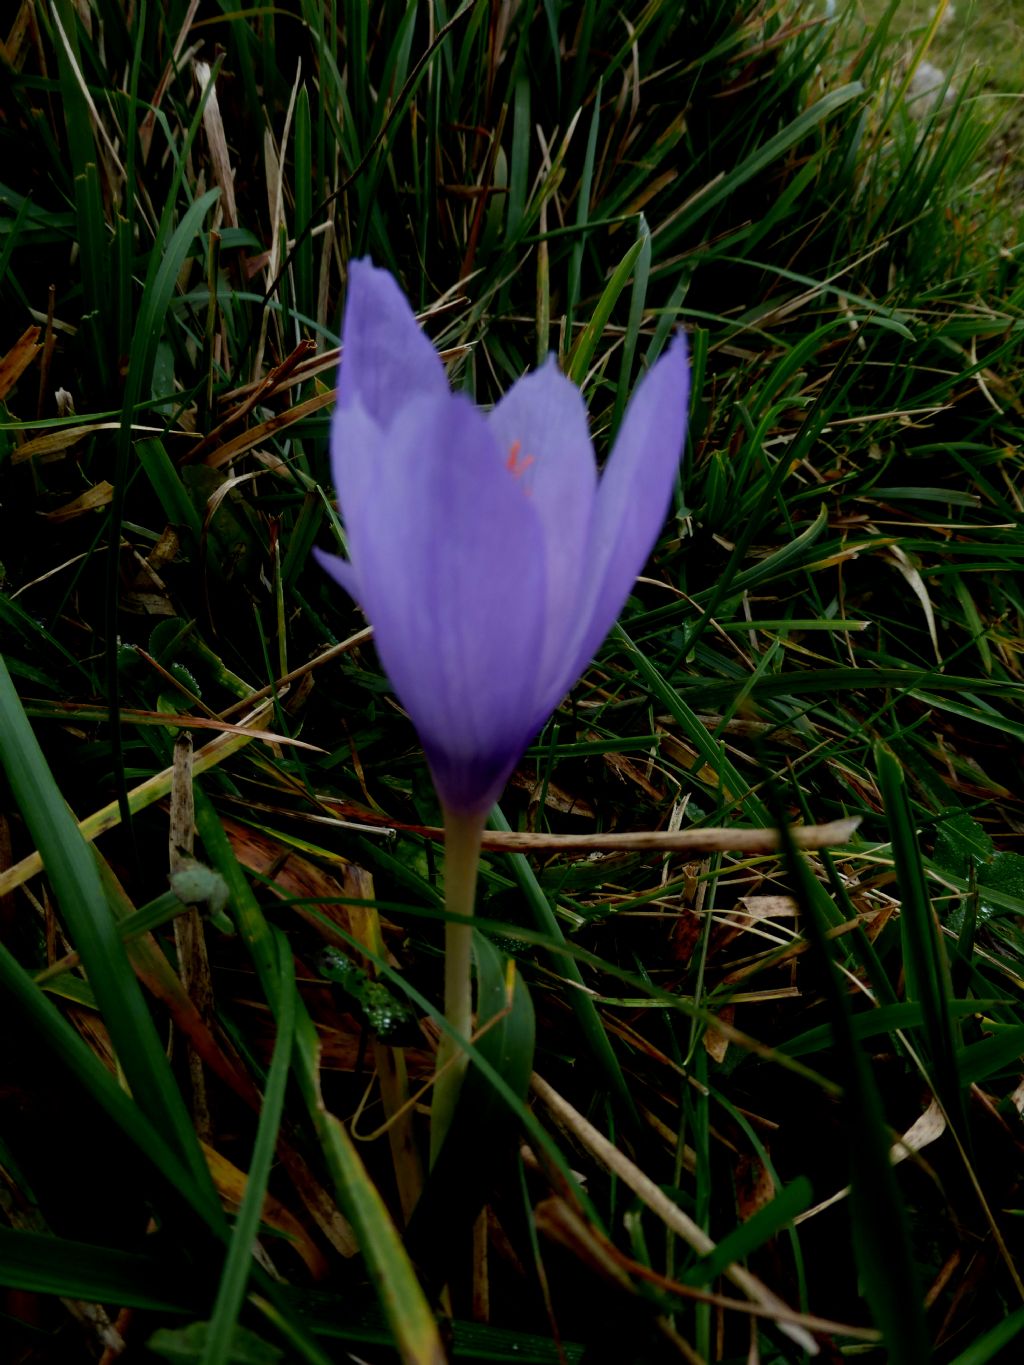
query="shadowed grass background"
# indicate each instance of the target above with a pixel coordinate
(831, 625)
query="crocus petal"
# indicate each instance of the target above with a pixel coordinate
(632, 499)
(357, 449)
(541, 424)
(386, 359)
(482, 550)
(450, 564)
(343, 573)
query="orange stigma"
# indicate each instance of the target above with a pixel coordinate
(513, 464)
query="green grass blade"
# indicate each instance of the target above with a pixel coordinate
(578, 364)
(587, 1016)
(924, 957)
(38, 1264)
(92, 229)
(305, 298)
(169, 252)
(993, 1343)
(401, 1297)
(638, 298)
(168, 255)
(178, 507)
(71, 867)
(235, 1275)
(980, 1061)
(582, 215)
(881, 1236)
(875, 1022)
(519, 161)
(760, 159)
(732, 787)
(750, 1236)
(84, 1067)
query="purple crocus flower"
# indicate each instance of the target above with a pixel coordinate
(485, 551)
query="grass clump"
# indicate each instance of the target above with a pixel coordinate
(775, 1099)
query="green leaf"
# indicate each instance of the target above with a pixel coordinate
(483, 1121)
(958, 840)
(1004, 874)
(505, 1025)
(190, 1345)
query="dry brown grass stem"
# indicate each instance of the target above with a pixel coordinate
(669, 1212)
(693, 841)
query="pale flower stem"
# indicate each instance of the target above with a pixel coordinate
(462, 858)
